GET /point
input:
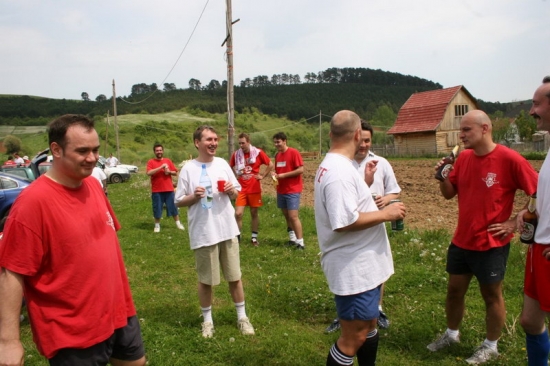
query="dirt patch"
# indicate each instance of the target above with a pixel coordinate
(426, 208)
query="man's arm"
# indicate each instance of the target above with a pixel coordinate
(155, 170)
(266, 172)
(294, 173)
(369, 219)
(446, 187)
(11, 293)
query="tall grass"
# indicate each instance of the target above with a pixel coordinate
(287, 298)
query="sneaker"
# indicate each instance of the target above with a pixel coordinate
(300, 247)
(255, 242)
(482, 354)
(291, 243)
(383, 321)
(180, 226)
(245, 327)
(21, 318)
(443, 341)
(156, 229)
(207, 329)
(333, 327)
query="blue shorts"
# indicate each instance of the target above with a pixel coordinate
(161, 198)
(289, 201)
(125, 344)
(362, 306)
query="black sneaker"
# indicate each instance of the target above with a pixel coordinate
(383, 321)
(291, 243)
(300, 247)
(333, 327)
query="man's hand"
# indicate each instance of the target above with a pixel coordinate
(395, 211)
(503, 229)
(11, 353)
(370, 169)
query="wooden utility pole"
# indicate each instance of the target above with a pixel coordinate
(106, 134)
(230, 93)
(116, 125)
(320, 136)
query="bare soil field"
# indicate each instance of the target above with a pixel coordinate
(426, 208)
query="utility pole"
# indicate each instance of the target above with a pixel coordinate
(320, 136)
(116, 125)
(230, 94)
(106, 134)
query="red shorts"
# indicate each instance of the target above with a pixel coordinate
(249, 199)
(537, 276)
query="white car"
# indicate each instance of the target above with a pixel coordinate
(130, 168)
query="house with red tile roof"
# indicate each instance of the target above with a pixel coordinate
(429, 122)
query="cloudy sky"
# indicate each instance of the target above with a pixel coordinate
(498, 49)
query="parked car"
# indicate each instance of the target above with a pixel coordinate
(131, 168)
(10, 187)
(26, 171)
(115, 174)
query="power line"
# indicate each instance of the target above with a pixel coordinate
(177, 60)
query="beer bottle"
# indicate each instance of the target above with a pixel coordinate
(445, 168)
(530, 222)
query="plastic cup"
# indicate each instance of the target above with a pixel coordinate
(221, 185)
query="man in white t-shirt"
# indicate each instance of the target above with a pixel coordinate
(382, 182)
(18, 160)
(112, 161)
(213, 230)
(100, 175)
(356, 256)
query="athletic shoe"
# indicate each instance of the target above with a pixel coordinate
(443, 341)
(207, 329)
(255, 242)
(482, 354)
(245, 327)
(156, 229)
(180, 226)
(333, 327)
(21, 318)
(300, 247)
(383, 321)
(291, 243)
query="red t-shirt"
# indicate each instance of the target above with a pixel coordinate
(286, 162)
(161, 182)
(247, 179)
(486, 186)
(64, 243)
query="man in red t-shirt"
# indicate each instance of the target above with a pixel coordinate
(289, 168)
(246, 163)
(61, 249)
(485, 178)
(161, 170)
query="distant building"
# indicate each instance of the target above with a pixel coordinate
(429, 122)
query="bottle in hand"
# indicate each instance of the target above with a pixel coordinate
(530, 222)
(445, 168)
(206, 182)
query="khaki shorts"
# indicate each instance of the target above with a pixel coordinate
(209, 259)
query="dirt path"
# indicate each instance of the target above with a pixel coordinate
(426, 208)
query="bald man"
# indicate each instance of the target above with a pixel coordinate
(536, 297)
(356, 256)
(485, 178)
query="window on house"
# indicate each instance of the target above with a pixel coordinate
(460, 110)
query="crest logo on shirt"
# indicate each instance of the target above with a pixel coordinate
(110, 220)
(491, 179)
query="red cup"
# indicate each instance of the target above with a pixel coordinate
(221, 184)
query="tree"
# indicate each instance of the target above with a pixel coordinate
(527, 126)
(12, 144)
(383, 116)
(213, 85)
(85, 97)
(195, 84)
(169, 87)
(101, 98)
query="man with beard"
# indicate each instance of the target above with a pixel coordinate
(212, 229)
(161, 170)
(536, 298)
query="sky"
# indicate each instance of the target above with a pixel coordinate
(498, 49)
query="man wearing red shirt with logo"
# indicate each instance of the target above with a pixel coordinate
(161, 170)
(289, 168)
(246, 163)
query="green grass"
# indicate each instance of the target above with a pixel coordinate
(287, 298)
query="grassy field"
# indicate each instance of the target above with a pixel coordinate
(287, 297)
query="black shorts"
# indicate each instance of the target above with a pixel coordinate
(125, 344)
(488, 266)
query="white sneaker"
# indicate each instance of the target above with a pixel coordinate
(207, 329)
(180, 226)
(245, 327)
(156, 229)
(443, 341)
(482, 354)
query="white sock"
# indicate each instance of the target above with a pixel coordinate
(380, 308)
(241, 312)
(300, 242)
(492, 344)
(452, 333)
(292, 235)
(178, 223)
(207, 314)
(157, 225)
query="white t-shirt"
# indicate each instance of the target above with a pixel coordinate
(214, 225)
(384, 179)
(353, 261)
(19, 160)
(542, 235)
(99, 174)
(112, 161)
